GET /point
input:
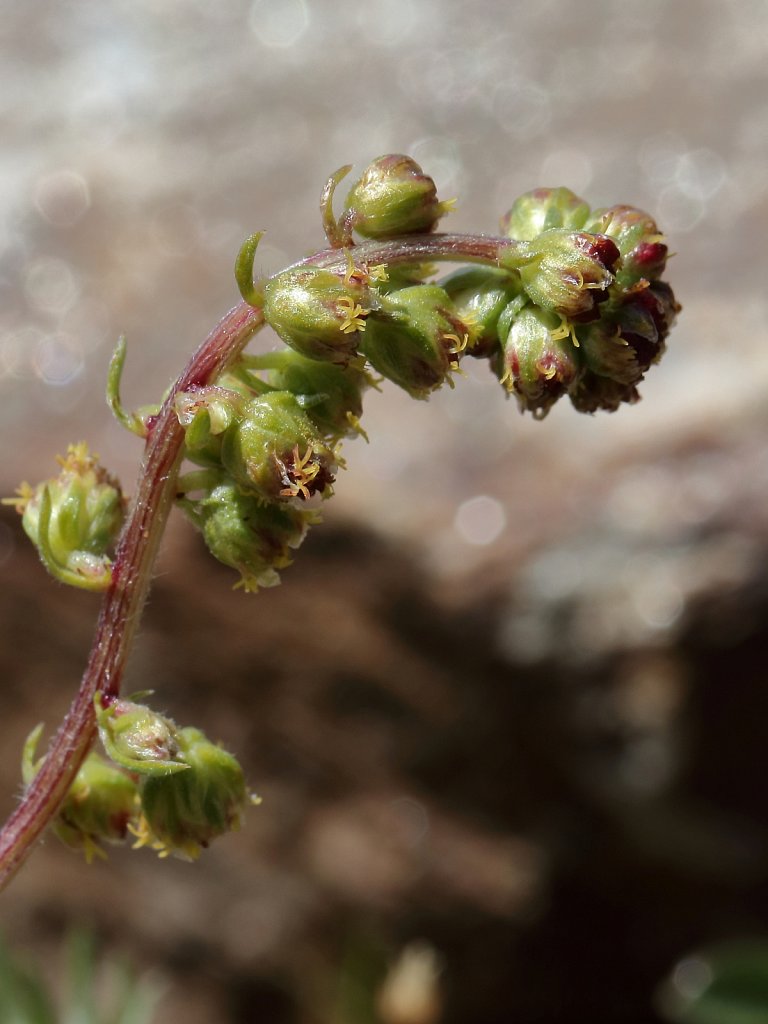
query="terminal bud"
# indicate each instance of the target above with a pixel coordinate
(393, 197)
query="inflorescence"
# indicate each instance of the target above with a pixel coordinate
(567, 301)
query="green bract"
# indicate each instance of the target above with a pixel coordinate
(138, 738)
(205, 413)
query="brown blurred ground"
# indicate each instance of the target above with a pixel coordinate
(509, 700)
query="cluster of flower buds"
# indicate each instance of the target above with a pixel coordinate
(592, 314)
(164, 787)
(74, 519)
(267, 446)
(572, 305)
(568, 302)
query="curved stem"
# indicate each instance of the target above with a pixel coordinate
(414, 249)
(156, 490)
(124, 600)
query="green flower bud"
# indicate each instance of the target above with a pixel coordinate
(630, 338)
(393, 197)
(538, 361)
(74, 519)
(99, 806)
(318, 313)
(138, 738)
(480, 295)
(205, 413)
(182, 813)
(276, 452)
(248, 535)
(567, 272)
(607, 354)
(542, 209)
(642, 248)
(330, 395)
(416, 338)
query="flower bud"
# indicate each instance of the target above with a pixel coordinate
(567, 272)
(592, 392)
(182, 813)
(642, 248)
(480, 295)
(538, 361)
(542, 209)
(317, 313)
(393, 197)
(205, 413)
(275, 451)
(630, 338)
(330, 395)
(100, 803)
(416, 338)
(248, 535)
(659, 301)
(607, 354)
(74, 519)
(138, 738)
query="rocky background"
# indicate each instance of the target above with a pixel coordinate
(510, 700)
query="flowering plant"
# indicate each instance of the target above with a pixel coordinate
(565, 302)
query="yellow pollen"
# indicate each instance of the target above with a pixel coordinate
(354, 316)
(304, 472)
(78, 459)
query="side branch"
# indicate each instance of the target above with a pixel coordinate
(124, 600)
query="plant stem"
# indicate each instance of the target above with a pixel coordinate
(156, 489)
(124, 600)
(416, 249)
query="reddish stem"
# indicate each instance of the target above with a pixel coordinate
(132, 570)
(123, 601)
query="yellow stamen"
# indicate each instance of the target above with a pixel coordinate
(354, 316)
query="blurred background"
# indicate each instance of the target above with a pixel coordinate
(508, 705)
